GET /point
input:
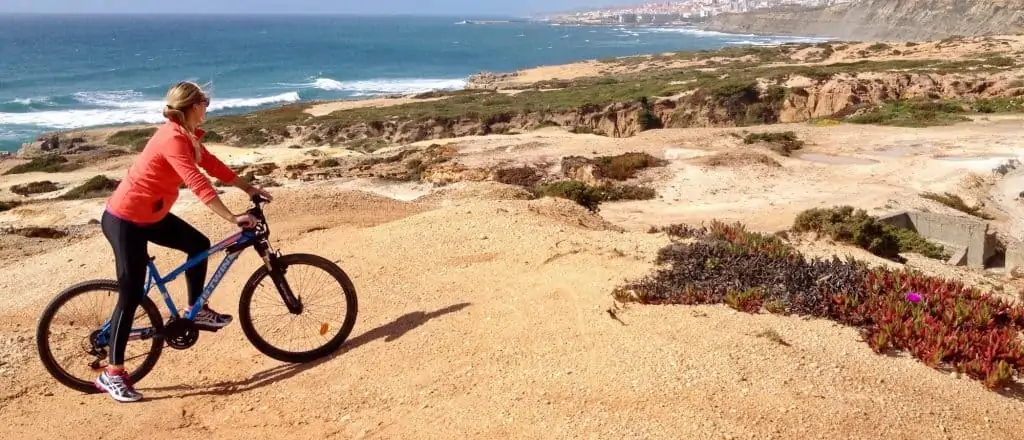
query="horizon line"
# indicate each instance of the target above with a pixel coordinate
(241, 14)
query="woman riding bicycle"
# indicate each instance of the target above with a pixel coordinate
(138, 212)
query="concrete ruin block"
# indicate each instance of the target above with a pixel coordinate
(1014, 258)
(968, 236)
(958, 258)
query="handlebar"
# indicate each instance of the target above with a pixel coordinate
(256, 199)
(257, 209)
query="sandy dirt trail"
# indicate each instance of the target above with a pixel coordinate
(483, 318)
(488, 319)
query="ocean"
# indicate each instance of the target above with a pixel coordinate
(64, 72)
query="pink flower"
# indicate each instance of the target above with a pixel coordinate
(914, 297)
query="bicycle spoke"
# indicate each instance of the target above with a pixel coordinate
(73, 322)
(304, 331)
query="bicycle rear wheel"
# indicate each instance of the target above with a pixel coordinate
(311, 319)
(75, 356)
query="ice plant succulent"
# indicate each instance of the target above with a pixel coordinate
(957, 326)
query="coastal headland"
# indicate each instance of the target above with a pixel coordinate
(676, 245)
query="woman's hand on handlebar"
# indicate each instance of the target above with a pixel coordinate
(246, 220)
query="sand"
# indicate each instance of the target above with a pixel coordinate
(333, 106)
(486, 316)
(490, 319)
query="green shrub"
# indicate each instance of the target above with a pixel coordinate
(7, 206)
(213, 137)
(367, 145)
(911, 241)
(34, 188)
(954, 201)
(1000, 61)
(612, 193)
(38, 232)
(329, 163)
(984, 107)
(624, 166)
(998, 105)
(912, 113)
(52, 163)
(856, 227)
(591, 196)
(783, 143)
(135, 138)
(524, 176)
(587, 196)
(97, 186)
(735, 89)
(843, 224)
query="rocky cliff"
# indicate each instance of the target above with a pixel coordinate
(730, 103)
(883, 20)
(731, 87)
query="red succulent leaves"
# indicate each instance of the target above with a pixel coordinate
(950, 326)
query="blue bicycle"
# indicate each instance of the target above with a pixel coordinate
(179, 331)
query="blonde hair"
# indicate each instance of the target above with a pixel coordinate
(179, 98)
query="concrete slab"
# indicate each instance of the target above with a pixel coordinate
(969, 238)
(958, 258)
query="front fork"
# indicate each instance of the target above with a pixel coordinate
(277, 272)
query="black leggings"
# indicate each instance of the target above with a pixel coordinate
(130, 242)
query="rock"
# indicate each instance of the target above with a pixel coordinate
(488, 80)
(582, 169)
(445, 173)
(50, 143)
(263, 169)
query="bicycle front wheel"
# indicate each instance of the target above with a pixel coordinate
(73, 345)
(328, 303)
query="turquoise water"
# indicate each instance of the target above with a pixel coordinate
(61, 72)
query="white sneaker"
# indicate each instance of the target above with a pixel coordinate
(118, 385)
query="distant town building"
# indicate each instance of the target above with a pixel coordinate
(667, 12)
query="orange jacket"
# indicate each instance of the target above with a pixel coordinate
(151, 185)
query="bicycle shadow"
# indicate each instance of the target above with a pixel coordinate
(388, 332)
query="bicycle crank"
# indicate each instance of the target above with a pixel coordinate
(180, 333)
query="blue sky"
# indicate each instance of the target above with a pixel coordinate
(431, 7)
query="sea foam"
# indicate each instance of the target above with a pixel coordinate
(372, 87)
(124, 107)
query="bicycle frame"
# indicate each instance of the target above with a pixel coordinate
(234, 245)
(237, 242)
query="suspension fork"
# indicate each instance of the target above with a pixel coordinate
(276, 272)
